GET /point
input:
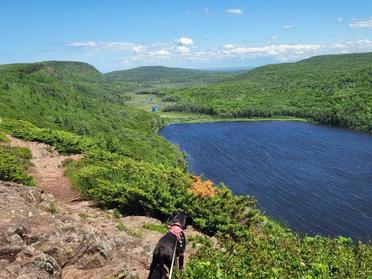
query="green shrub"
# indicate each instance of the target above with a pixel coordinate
(65, 142)
(3, 138)
(274, 252)
(141, 188)
(14, 163)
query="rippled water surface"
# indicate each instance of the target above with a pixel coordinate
(316, 179)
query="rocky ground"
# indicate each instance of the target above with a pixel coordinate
(44, 234)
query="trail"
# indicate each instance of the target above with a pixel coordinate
(48, 171)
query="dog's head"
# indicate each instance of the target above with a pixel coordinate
(180, 220)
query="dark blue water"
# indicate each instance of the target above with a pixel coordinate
(316, 179)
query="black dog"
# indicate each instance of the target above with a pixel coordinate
(170, 247)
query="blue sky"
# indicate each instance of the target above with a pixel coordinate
(120, 34)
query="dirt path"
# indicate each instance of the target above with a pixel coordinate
(48, 171)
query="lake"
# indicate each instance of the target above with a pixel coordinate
(315, 179)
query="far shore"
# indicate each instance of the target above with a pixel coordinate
(183, 118)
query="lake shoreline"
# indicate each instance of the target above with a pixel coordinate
(207, 119)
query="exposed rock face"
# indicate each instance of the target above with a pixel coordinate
(43, 238)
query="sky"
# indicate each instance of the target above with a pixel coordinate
(122, 34)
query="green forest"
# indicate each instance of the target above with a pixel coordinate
(160, 76)
(332, 90)
(127, 166)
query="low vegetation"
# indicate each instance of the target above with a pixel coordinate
(275, 252)
(156, 228)
(132, 232)
(14, 163)
(3, 138)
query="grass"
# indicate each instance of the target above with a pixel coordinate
(53, 208)
(180, 118)
(3, 138)
(156, 227)
(145, 101)
(132, 232)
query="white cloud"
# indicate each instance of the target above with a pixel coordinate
(361, 23)
(228, 46)
(116, 45)
(182, 49)
(185, 41)
(340, 19)
(235, 11)
(284, 52)
(162, 52)
(287, 27)
(280, 52)
(102, 45)
(83, 44)
(138, 49)
(272, 50)
(274, 37)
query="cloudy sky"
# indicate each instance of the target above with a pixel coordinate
(120, 34)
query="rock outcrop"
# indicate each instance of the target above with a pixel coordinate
(41, 237)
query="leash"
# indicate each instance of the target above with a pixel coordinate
(174, 254)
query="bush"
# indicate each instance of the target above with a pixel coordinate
(141, 188)
(14, 163)
(274, 252)
(3, 138)
(65, 142)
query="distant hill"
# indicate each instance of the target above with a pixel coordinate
(325, 66)
(78, 71)
(165, 75)
(332, 89)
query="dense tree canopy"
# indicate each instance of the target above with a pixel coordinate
(333, 90)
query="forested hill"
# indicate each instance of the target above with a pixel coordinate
(63, 70)
(333, 90)
(75, 97)
(165, 75)
(325, 67)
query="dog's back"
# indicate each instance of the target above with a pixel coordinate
(170, 245)
(162, 257)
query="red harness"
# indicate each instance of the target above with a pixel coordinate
(176, 230)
